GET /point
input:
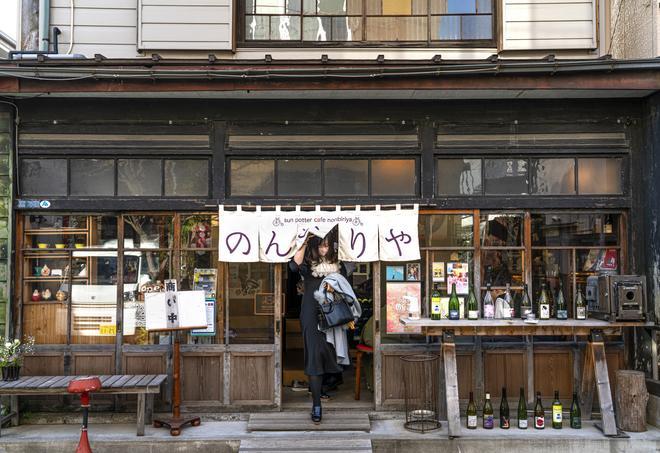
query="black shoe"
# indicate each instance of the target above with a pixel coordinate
(316, 414)
(324, 396)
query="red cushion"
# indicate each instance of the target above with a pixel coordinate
(84, 385)
(365, 348)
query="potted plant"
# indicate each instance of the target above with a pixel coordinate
(11, 356)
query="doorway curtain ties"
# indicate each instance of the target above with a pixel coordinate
(275, 236)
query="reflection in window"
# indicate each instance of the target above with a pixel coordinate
(600, 176)
(43, 177)
(393, 177)
(500, 267)
(446, 230)
(298, 177)
(499, 230)
(148, 232)
(139, 177)
(92, 177)
(458, 176)
(567, 229)
(186, 177)
(553, 176)
(252, 177)
(346, 177)
(506, 176)
(250, 303)
(552, 267)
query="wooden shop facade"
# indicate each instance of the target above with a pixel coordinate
(116, 189)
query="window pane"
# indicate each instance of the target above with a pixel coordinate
(298, 177)
(393, 177)
(346, 177)
(460, 6)
(43, 177)
(346, 28)
(446, 28)
(252, 177)
(575, 229)
(257, 27)
(600, 176)
(551, 267)
(484, 6)
(284, 28)
(104, 231)
(332, 7)
(139, 177)
(553, 176)
(92, 177)
(595, 261)
(197, 231)
(500, 267)
(317, 29)
(448, 259)
(458, 176)
(148, 232)
(500, 230)
(506, 176)
(186, 177)
(397, 7)
(270, 6)
(476, 27)
(396, 28)
(446, 230)
(250, 311)
(198, 272)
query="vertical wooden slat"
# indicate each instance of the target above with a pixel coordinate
(277, 325)
(603, 388)
(119, 338)
(529, 351)
(18, 297)
(451, 386)
(588, 383)
(141, 410)
(378, 360)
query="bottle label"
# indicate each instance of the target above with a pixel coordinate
(539, 421)
(473, 314)
(504, 422)
(472, 421)
(525, 312)
(545, 311)
(576, 423)
(453, 314)
(435, 307)
(522, 424)
(489, 311)
(562, 314)
(556, 414)
(581, 313)
(488, 421)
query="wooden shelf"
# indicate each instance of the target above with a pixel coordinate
(54, 231)
(51, 279)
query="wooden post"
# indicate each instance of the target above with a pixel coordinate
(603, 383)
(631, 399)
(451, 384)
(588, 383)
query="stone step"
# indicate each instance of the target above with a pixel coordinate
(298, 445)
(301, 421)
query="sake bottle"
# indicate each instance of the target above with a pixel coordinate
(471, 413)
(489, 306)
(454, 304)
(576, 413)
(562, 312)
(539, 413)
(525, 304)
(505, 421)
(488, 413)
(435, 303)
(522, 410)
(580, 305)
(544, 303)
(472, 306)
(557, 409)
(508, 313)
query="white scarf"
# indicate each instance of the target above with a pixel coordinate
(324, 268)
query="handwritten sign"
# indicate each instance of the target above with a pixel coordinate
(175, 310)
(275, 236)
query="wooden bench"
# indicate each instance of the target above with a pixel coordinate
(142, 385)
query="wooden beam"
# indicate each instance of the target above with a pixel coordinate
(603, 388)
(451, 386)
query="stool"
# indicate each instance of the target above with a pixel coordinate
(84, 386)
(361, 349)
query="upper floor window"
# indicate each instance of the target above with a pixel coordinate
(418, 22)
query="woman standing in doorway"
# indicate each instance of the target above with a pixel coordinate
(316, 259)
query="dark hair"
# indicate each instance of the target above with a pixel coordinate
(312, 252)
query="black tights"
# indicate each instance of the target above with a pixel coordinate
(315, 385)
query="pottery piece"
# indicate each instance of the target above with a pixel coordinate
(60, 296)
(47, 294)
(36, 295)
(45, 271)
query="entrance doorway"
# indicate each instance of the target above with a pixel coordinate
(339, 388)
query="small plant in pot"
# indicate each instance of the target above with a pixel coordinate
(11, 356)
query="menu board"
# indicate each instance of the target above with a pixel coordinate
(175, 310)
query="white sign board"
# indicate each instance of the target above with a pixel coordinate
(175, 310)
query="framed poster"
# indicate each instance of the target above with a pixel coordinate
(398, 297)
(458, 273)
(412, 272)
(438, 272)
(394, 273)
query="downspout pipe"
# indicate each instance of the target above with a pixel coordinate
(44, 25)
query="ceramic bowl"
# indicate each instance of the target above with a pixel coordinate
(42, 245)
(59, 246)
(79, 246)
(37, 270)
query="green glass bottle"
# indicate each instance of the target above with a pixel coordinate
(544, 303)
(522, 410)
(580, 305)
(557, 409)
(562, 311)
(539, 413)
(471, 413)
(525, 304)
(488, 413)
(436, 299)
(472, 306)
(454, 304)
(505, 421)
(576, 413)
